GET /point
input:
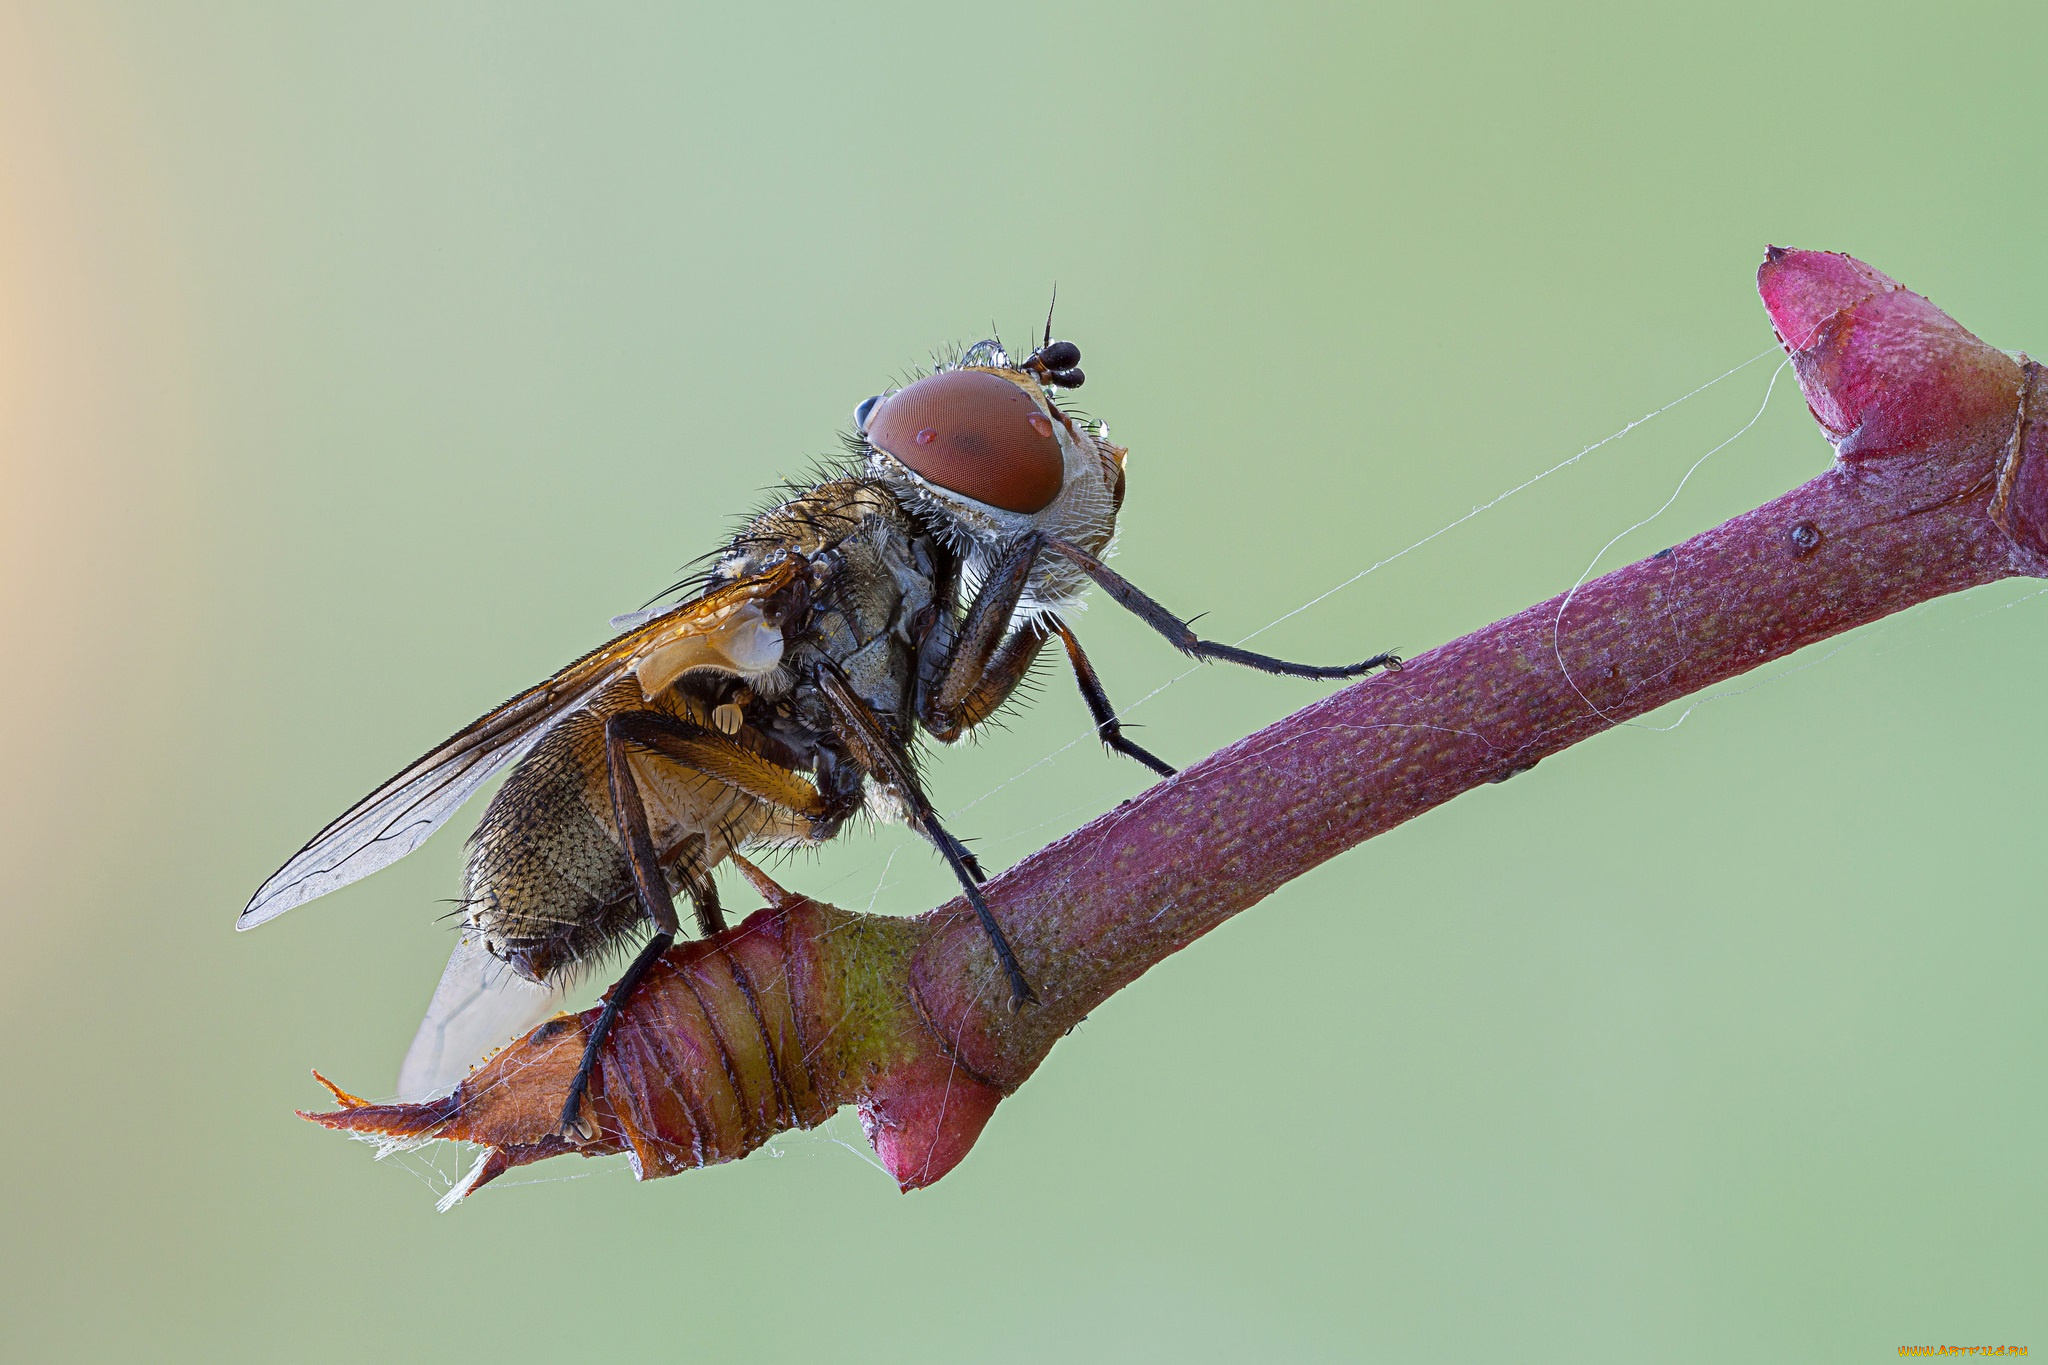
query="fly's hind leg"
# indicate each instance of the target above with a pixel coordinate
(630, 813)
(704, 899)
(574, 1125)
(718, 758)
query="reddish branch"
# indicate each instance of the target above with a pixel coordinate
(1940, 483)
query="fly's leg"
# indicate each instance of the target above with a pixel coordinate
(883, 757)
(992, 687)
(1129, 596)
(997, 681)
(982, 668)
(987, 659)
(631, 814)
(986, 665)
(717, 757)
(573, 1122)
(703, 891)
(1107, 727)
(725, 760)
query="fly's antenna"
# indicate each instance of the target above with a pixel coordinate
(1057, 365)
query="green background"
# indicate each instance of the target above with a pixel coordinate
(356, 364)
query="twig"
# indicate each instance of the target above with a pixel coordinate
(1940, 484)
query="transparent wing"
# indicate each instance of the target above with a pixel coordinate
(480, 1005)
(627, 620)
(725, 629)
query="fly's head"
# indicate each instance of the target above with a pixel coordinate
(983, 452)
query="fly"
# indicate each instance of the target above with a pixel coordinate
(908, 594)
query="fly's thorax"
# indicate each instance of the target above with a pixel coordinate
(874, 571)
(871, 591)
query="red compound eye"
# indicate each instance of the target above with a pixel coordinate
(976, 434)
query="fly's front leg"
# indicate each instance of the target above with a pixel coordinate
(981, 673)
(882, 755)
(987, 659)
(993, 686)
(717, 757)
(984, 662)
(1107, 728)
(1133, 599)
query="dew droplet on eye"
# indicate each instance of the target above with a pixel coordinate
(1040, 423)
(926, 436)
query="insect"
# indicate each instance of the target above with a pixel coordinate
(910, 590)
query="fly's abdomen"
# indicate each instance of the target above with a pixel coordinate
(548, 884)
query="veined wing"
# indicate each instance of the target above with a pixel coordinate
(726, 629)
(480, 1005)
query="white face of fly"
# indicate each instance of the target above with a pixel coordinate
(987, 460)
